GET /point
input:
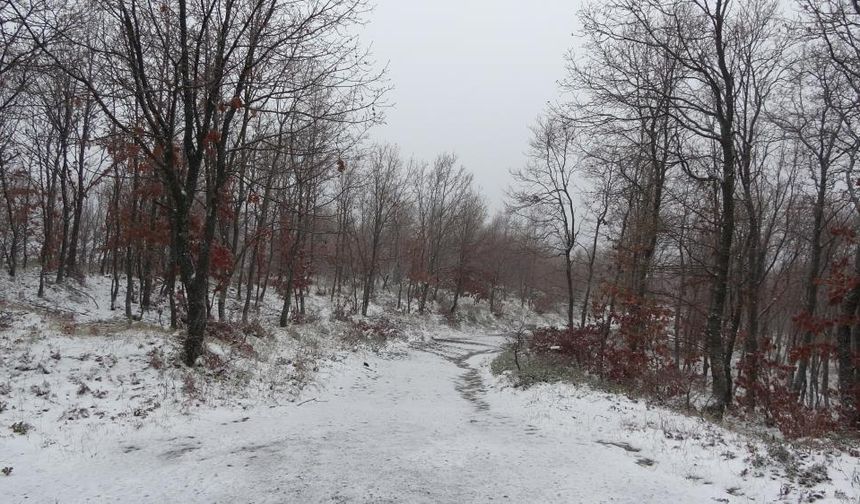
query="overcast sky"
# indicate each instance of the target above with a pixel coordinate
(470, 76)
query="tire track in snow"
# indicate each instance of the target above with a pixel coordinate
(470, 386)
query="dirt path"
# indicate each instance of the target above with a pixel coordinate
(420, 429)
(459, 351)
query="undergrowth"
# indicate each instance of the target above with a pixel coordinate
(536, 368)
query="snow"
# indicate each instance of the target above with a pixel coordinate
(424, 421)
(698, 460)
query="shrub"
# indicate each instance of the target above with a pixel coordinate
(628, 347)
(374, 333)
(21, 428)
(214, 362)
(155, 358)
(189, 386)
(6, 320)
(230, 334)
(341, 313)
(536, 367)
(633, 352)
(775, 398)
(256, 329)
(299, 318)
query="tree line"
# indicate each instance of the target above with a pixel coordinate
(204, 154)
(701, 173)
(692, 202)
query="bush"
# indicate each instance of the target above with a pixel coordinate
(375, 333)
(775, 398)
(256, 329)
(6, 320)
(189, 387)
(230, 334)
(629, 348)
(21, 428)
(535, 367)
(155, 358)
(633, 353)
(341, 313)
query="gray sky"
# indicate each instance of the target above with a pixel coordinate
(470, 76)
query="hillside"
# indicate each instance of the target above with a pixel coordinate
(389, 408)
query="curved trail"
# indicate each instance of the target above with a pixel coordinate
(459, 351)
(423, 428)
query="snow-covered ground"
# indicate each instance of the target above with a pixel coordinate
(422, 422)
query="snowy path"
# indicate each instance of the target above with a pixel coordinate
(422, 428)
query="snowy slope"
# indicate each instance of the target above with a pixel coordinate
(103, 414)
(429, 426)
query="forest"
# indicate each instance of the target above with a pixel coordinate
(690, 205)
(238, 167)
(719, 225)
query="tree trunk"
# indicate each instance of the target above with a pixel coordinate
(129, 250)
(591, 258)
(568, 270)
(719, 283)
(812, 279)
(849, 392)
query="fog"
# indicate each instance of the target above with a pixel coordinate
(470, 77)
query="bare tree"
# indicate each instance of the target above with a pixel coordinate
(466, 241)
(545, 191)
(378, 202)
(174, 80)
(706, 41)
(437, 193)
(836, 24)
